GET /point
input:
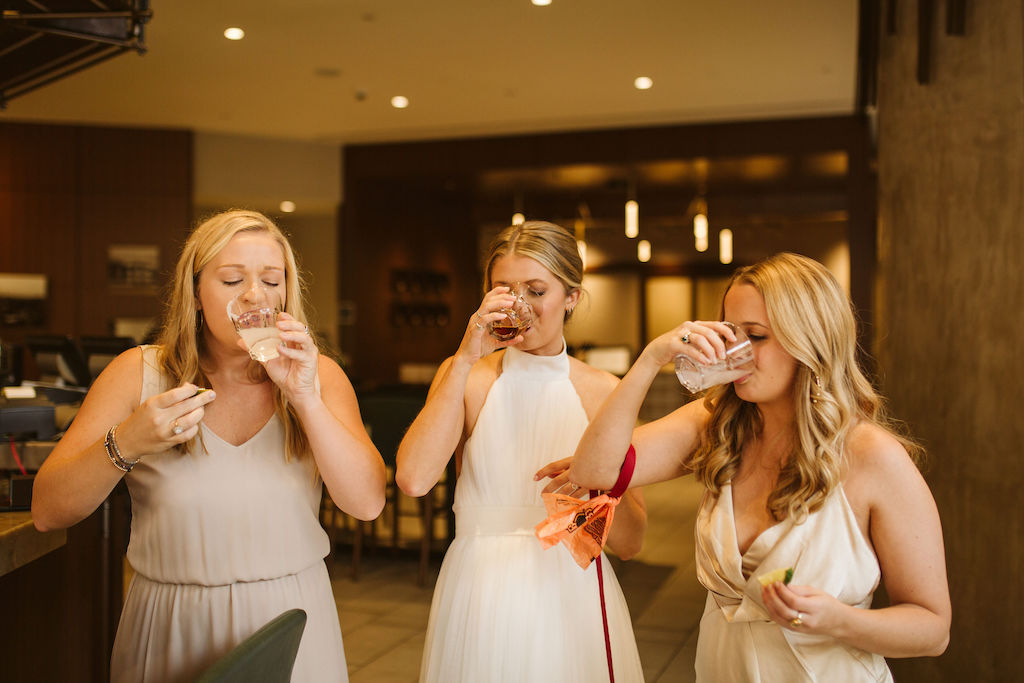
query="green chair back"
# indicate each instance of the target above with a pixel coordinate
(266, 656)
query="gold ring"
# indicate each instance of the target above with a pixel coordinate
(479, 326)
(797, 620)
(177, 428)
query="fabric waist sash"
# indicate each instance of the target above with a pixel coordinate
(497, 520)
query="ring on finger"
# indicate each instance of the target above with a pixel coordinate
(685, 338)
(797, 621)
(176, 428)
(305, 330)
(477, 314)
(479, 326)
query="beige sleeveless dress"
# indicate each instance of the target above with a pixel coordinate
(738, 643)
(221, 543)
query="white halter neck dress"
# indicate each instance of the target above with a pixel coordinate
(504, 609)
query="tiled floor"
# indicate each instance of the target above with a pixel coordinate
(384, 614)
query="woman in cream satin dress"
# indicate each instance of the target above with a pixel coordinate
(802, 471)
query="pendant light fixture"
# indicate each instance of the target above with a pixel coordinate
(725, 246)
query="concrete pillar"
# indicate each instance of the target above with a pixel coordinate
(950, 308)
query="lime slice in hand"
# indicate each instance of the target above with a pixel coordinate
(783, 575)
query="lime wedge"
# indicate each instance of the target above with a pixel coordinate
(783, 575)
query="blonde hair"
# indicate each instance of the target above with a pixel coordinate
(180, 339)
(551, 245)
(814, 322)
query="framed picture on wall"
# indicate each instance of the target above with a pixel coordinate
(22, 300)
(134, 268)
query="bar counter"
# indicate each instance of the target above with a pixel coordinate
(21, 543)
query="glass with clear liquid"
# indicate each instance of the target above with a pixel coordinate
(738, 361)
(254, 315)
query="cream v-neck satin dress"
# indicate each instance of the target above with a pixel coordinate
(504, 609)
(221, 543)
(738, 643)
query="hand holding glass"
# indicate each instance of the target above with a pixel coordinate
(739, 357)
(254, 314)
(517, 318)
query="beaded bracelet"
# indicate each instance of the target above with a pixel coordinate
(114, 453)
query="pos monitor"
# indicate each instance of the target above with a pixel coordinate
(99, 351)
(59, 359)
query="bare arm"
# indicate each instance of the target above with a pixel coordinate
(907, 537)
(661, 446)
(437, 431)
(349, 463)
(78, 474)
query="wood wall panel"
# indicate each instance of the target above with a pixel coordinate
(68, 192)
(951, 196)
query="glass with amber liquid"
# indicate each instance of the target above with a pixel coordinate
(518, 317)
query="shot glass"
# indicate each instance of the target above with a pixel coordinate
(517, 318)
(739, 358)
(254, 314)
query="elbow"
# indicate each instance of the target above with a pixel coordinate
(43, 520)
(631, 549)
(371, 510)
(410, 486)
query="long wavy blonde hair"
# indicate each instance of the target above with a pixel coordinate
(814, 322)
(181, 339)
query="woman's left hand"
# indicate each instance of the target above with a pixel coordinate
(805, 609)
(558, 472)
(295, 369)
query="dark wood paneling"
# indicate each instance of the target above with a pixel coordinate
(68, 192)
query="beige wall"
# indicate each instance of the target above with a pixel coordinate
(257, 173)
(951, 183)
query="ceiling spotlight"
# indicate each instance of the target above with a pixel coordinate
(234, 33)
(287, 206)
(399, 102)
(541, 3)
(643, 83)
(518, 219)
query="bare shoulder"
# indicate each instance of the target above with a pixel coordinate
(114, 395)
(332, 377)
(878, 465)
(592, 385)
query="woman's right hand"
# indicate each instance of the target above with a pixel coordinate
(477, 342)
(151, 428)
(701, 340)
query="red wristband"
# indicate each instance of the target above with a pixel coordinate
(625, 474)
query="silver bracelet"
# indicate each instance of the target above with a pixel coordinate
(114, 453)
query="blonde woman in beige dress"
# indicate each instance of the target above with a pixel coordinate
(225, 484)
(802, 471)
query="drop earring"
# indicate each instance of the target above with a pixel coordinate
(815, 388)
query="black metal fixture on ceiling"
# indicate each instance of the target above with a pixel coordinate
(42, 41)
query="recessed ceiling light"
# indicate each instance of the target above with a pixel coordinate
(643, 83)
(234, 33)
(287, 206)
(399, 102)
(541, 3)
